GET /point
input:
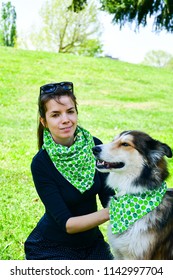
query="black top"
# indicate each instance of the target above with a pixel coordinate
(62, 201)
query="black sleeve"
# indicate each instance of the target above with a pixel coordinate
(105, 192)
(48, 192)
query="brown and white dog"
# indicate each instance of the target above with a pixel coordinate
(136, 163)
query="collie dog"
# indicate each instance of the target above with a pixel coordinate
(141, 212)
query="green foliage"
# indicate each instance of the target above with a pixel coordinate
(78, 5)
(8, 32)
(91, 47)
(112, 96)
(138, 11)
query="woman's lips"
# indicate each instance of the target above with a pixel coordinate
(66, 128)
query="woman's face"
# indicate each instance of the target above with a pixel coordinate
(61, 120)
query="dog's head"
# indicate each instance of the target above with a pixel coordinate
(133, 152)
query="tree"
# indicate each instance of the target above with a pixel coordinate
(64, 30)
(78, 5)
(157, 58)
(138, 10)
(91, 47)
(8, 25)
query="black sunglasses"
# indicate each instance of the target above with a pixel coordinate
(51, 88)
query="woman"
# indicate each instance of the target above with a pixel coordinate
(66, 180)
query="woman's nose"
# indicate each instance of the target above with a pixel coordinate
(65, 118)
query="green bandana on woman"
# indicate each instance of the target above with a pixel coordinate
(127, 209)
(77, 162)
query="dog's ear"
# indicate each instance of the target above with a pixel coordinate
(166, 150)
(158, 150)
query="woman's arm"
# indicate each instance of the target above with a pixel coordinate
(86, 222)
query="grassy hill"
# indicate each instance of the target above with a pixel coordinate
(112, 96)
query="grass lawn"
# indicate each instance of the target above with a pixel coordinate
(112, 96)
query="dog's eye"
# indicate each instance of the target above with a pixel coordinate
(125, 144)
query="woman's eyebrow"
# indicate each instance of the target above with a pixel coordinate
(56, 111)
(70, 108)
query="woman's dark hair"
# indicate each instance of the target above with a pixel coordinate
(42, 100)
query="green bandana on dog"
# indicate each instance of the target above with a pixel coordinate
(76, 163)
(127, 209)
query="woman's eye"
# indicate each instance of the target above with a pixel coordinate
(125, 144)
(55, 115)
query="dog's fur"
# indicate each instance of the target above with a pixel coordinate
(136, 163)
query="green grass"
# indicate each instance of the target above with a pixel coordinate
(112, 96)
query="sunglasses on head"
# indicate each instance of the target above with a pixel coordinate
(51, 88)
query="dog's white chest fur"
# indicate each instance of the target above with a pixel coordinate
(133, 243)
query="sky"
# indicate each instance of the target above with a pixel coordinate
(125, 44)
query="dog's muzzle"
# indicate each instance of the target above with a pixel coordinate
(101, 164)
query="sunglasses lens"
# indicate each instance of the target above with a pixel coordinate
(51, 88)
(67, 86)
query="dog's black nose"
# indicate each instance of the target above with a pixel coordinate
(96, 150)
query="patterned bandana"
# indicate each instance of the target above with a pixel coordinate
(127, 209)
(77, 162)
